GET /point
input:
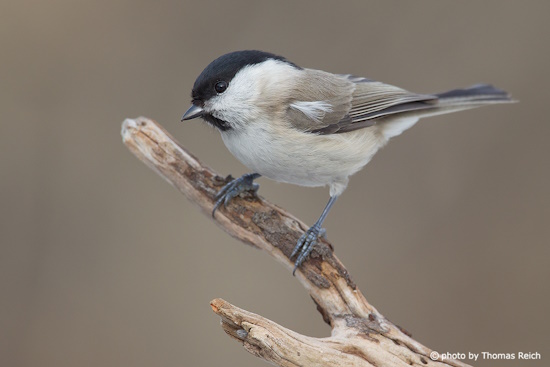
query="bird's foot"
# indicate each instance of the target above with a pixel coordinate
(234, 188)
(305, 244)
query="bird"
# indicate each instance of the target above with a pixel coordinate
(309, 127)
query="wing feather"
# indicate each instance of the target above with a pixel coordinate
(357, 103)
(319, 99)
(341, 103)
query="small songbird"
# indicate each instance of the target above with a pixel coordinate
(309, 127)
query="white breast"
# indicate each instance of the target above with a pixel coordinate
(305, 159)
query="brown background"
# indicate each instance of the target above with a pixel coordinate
(104, 264)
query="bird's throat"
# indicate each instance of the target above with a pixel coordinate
(216, 122)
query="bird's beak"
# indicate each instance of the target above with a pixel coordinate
(192, 112)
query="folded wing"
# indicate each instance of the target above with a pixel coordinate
(343, 103)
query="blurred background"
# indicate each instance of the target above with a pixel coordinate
(102, 263)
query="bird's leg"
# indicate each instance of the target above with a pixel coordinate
(307, 242)
(234, 188)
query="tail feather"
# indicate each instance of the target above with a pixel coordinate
(476, 94)
(399, 118)
(447, 102)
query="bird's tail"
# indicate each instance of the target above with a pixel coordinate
(463, 99)
(406, 115)
(474, 96)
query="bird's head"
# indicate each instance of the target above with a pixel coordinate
(239, 87)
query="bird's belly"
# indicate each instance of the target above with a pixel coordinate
(303, 158)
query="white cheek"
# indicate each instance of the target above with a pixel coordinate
(237, 103)
(250, 88)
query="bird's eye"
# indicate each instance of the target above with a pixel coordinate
(221, 86)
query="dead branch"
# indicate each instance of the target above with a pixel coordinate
(360, 336)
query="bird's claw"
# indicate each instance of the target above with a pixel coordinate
(235, 188)
(305, 244)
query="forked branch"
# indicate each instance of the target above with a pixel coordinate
(360, 336)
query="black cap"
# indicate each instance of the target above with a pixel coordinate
(224, 68)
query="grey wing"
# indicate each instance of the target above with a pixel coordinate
(319, 100)
(373, 100)
(343, 103)
(326, 103)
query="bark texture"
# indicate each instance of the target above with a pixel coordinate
(361, 336)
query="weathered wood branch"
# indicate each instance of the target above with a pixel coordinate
(360, 336)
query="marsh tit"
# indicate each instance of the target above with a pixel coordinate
(309, 127)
